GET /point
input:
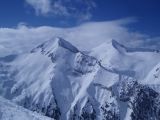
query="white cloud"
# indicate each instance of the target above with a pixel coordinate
(80, 9)
(41, 6)
(85, 36)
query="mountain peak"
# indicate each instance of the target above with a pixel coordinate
(55, 43)
(65, 44)
(118, 46)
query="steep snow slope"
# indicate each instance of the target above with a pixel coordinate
(10, 111)
(55, 78)
(59, 81)
(154, 75)
(116, 56)
(153, 78)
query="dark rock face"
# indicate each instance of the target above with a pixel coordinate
(88, 116)
(110, 112)
(126, 88)
(144, 104)
(143, 101)
(88, 113)
(52, 110)
(53, 113)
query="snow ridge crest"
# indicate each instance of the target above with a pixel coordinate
(55, 43)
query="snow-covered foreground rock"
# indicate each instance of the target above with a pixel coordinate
(10, 111)
(111, 82)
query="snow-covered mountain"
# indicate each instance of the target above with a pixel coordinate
(111, 82)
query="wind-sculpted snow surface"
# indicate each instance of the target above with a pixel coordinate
(57, 80)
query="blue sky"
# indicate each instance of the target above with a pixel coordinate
(69, 13)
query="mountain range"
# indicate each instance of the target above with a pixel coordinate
(56, 80)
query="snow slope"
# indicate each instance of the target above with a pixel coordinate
(10, 111)
(113, 55)
(154, 75)
(54, 78)
(60, 81)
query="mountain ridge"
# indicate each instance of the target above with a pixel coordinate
(60, 81)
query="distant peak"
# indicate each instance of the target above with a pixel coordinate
(54, 43)
(115, 43)
(118, 46)
(123, 48)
